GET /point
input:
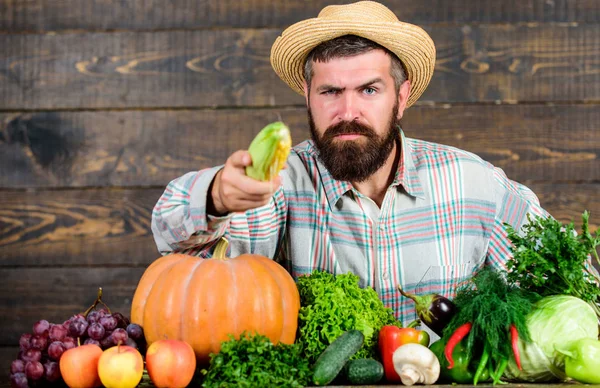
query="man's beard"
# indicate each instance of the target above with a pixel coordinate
(354, 160)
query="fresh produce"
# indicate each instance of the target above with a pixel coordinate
(334, 304)
(336, 355)
(433, 310)
(416, 364)
(170, 363)
(390, 339)
(269, 151)
(464, 366)
(44, 347)
(363, 371)
(555, 323)
(582, 362)
(254, 361)
(203, 301)
(552, 259)
(120, 366)
(487, 310)
(79, 366)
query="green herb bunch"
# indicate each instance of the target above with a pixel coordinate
(333, 304)
(491, 305)
(253, 361)
(551, 258)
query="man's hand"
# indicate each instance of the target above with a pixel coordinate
(233, 191)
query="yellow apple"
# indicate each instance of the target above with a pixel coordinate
(120, 367)
(170, 363)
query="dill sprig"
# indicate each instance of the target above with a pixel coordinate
(491, 305)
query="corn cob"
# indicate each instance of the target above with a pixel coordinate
(269, 151)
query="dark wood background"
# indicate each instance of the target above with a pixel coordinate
(103, 102)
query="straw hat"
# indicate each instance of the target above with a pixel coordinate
(367, 19)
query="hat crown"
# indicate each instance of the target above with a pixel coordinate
(362, 10)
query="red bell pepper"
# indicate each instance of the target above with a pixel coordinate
(390, 339)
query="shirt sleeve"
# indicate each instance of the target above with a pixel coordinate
(180, 222)
(180, 213)
(514, 201)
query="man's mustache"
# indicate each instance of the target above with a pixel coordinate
(347, 128)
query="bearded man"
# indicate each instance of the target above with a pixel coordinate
(359, 196)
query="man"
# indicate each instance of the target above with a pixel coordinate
(359, 196)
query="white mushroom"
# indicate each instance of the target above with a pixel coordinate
(416, 364)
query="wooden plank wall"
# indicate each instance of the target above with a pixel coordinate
(103, 102)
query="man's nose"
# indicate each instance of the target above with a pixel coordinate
(349, 109)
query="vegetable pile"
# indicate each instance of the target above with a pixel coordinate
(332, 305)
(491, 317)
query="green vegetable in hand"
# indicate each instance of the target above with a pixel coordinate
(253, 361)
(552, 259)
(555, 322)
(333, 304)
(269, 151)
(582, 361)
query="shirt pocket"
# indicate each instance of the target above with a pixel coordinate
(444, 279)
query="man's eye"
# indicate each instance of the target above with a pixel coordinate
(370, 90)
(330, 91)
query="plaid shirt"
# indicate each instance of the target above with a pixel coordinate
(441, 219)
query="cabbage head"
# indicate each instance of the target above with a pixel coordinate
(556, 322)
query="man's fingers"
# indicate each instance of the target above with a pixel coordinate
(240, 159)
(255, 187)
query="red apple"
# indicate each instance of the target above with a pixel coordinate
(121, 366)
(170, 363)
(79, 366)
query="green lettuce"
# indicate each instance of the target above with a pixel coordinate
(332, 304)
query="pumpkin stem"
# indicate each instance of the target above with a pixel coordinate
(221, 249)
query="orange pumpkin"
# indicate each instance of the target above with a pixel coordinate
(202, 301)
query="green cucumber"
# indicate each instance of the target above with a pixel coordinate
(336, 355)
(363, 371)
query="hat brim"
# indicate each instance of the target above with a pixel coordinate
(411, 44)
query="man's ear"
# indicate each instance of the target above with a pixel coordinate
(403, 95)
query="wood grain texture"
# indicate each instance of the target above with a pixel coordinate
(48, 15)
(7, 355)
(30, 294)
(77, 228)
(111, 228)
(217, 68)
(145, 148)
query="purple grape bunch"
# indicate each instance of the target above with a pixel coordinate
(37, 362)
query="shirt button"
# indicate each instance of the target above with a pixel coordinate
(184, 234)
(385, 276)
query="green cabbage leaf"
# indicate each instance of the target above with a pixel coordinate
(556, 322)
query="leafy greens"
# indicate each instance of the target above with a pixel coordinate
(253, 361)
(332, 304)
(552, 259)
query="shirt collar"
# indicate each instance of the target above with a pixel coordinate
(406, 176)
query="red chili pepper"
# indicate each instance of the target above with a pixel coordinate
(390, 339)
(514, 334)
(456, 337)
